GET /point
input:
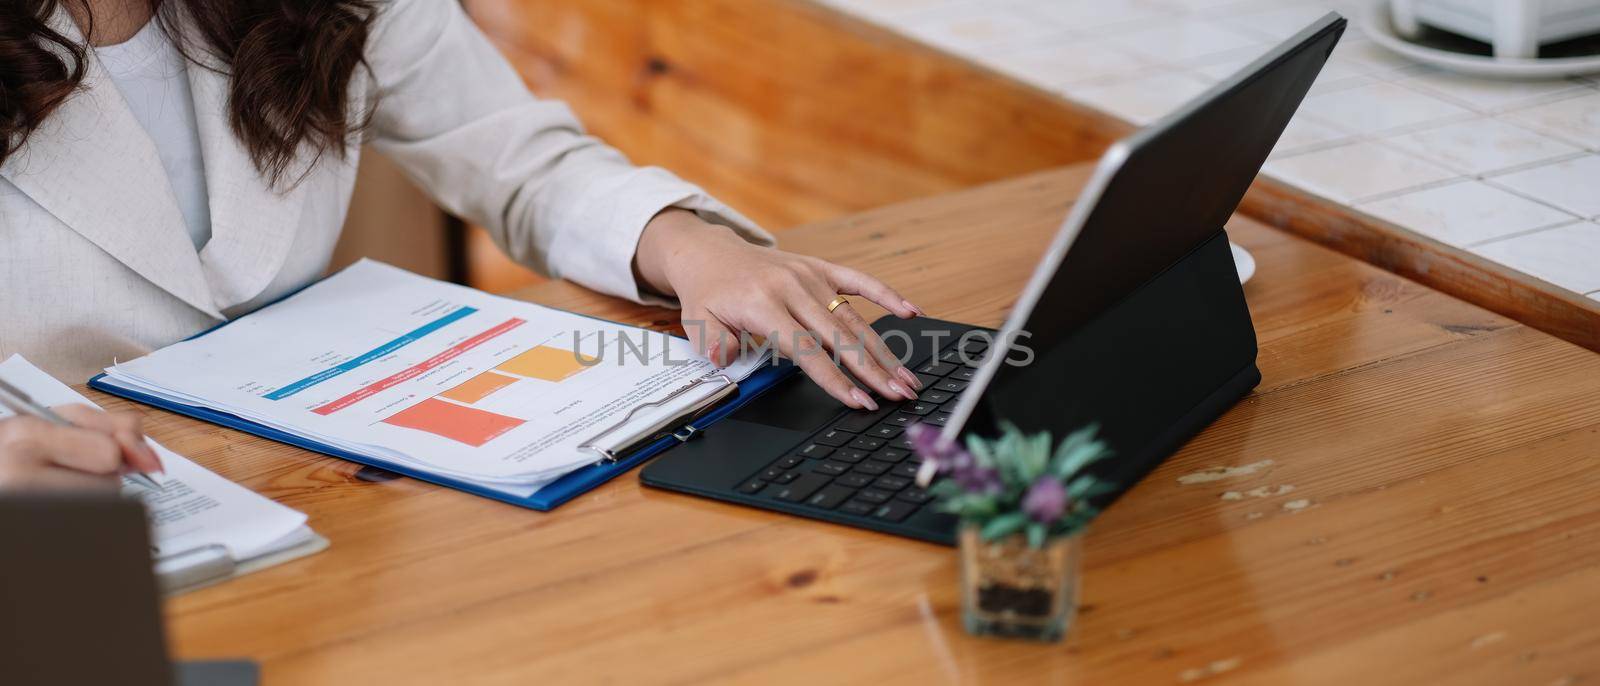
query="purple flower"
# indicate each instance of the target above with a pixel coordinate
(948, 457)
(975, 479)
(1045, 501)
(931, 446)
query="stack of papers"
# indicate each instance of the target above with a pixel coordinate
(442, 379)
(197, 517)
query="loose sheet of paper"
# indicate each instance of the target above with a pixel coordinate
(440, 377)
(196, 508)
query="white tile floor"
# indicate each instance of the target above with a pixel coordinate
(1509, 171)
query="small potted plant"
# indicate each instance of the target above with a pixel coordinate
(1023, 504)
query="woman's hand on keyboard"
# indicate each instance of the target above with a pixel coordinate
(730, 287)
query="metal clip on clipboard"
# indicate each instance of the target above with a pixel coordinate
(728, 386)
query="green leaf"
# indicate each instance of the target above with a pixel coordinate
(971, 505)
(1003, 525)
(945, 489)
(980, 449)
(1034, 457)
(1088, 486)
(1014, 457)
(1078, 451)
(1036, 535)
(1074, 521)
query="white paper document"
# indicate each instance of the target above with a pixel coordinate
(438, 377)
(196, 510)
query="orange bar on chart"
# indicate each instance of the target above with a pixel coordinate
(478, 387)
(459, 423)
(544, 362)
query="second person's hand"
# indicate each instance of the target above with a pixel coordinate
(92, 454)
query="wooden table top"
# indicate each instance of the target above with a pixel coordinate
(1412, 502)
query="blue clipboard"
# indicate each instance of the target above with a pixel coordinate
(545, 499)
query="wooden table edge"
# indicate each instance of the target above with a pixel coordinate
(1500, 289)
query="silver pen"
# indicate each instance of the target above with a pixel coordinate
(15, 400)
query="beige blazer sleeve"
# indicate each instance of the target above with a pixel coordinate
(452, 112)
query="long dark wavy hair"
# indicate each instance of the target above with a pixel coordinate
(290, 64)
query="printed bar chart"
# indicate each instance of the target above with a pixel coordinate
(546, 363)
(458, 423)
(418, 369)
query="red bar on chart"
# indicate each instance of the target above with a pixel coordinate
(416, 370)
(458, 423)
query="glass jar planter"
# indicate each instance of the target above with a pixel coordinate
(1010, 589)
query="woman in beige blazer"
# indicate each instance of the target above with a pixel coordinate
(132, 217)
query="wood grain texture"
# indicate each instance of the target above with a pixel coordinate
(1440, 524)
(796, 112)
(784, 109)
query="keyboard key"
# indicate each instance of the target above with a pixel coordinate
(935, 396)
(891, 455)
(957, 358)
(894, 510)
(975, 346)
(850, 455)
(938, 418)
(914, 495)
(874, 496)
(858, 507)
(891, 483)
(790, 462)
(801, 489)
(773, 473)
(919, 408)
(936, 368)
(854, 480)
(952, 385)
(873, 467)
(901, 443)
(752, 486)
(965, 373)
(884, 431)
(831, 467)
(927, 379)
(816, 450)
(906, 469)
(787, 477)
(902, 419)
(830, 496)
(861, 420)
(835, 437)
(868, 444)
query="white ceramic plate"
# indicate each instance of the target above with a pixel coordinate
(1243, 262)
(1380, 28)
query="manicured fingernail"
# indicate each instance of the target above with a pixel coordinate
(914, 309)
(150, 454)
(864, 400)
(909, 377)
(900, 390)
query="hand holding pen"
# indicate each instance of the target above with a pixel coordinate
(72, 446)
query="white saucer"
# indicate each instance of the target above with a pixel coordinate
(1380, 28)
(1243, 262)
